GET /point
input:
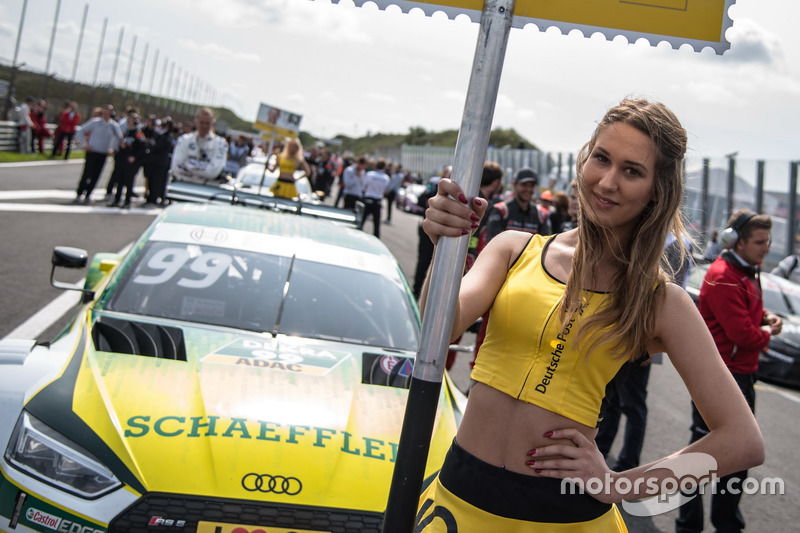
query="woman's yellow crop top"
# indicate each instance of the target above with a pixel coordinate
(287, 166)
(529, 356)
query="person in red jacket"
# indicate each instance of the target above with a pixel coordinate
(40, 129)
(730, 302)
(67, 124)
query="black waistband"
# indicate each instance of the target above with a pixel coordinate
(513, 495)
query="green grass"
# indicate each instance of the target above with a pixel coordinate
(14, 157)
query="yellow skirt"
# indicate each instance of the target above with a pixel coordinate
(471, 496)
(283, 189)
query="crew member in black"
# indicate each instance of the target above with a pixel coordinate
(519, 213)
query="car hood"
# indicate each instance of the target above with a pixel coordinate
(244, 416)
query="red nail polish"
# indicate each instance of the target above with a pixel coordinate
(530, 463)
(464, 232)
(474, 217)
(537, 470)
(532, 452)
(475, 225)
(462, 198)
(548, 434)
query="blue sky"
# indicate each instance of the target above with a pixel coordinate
(354, 70)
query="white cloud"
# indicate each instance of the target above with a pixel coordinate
(218, 52)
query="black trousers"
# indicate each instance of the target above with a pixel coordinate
(424, 258)
(631, 401)
(92, 168)
(67, 147)
(372, 208)
(350, 201)
(157, 184)
(725, 514)
(390, 196)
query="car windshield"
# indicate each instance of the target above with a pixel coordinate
(267, 293)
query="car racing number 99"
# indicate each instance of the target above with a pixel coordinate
(169, 261)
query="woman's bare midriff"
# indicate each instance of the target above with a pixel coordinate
(501, 430)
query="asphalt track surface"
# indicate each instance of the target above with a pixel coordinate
(36, 215)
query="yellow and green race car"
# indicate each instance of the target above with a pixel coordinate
(236, 371)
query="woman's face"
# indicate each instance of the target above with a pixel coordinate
(619, 177)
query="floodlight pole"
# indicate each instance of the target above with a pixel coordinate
(448, 265)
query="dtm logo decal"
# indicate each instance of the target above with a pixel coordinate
(56, 523)
(290, 486)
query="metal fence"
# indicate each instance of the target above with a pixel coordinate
(9, 137)
(715, 188)
(556, 170)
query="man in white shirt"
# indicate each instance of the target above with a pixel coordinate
(199, 155)
(25, 125)
(353, 182)
(375, 183)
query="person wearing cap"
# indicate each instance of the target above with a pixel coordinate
(519, 213)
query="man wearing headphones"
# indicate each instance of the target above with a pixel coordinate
(731, 304)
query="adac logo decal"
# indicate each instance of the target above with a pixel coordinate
(265, 354)
(56, 523)
(266, 483)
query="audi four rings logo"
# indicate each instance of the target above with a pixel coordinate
(290, 486)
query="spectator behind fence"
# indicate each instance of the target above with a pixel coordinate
(65, 132)
(25, 125)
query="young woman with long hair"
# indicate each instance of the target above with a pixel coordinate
(565, 312)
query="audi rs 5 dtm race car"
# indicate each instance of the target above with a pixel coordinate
(236, 371)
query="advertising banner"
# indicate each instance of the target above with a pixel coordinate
(276, 122)
(698, 23)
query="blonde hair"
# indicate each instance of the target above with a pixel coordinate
(628, 317)
(285, 152)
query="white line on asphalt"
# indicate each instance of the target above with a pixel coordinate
(49, 314)
(780, 392)
(42, 163)
(45, 208)
(46, 316)
(37, 194)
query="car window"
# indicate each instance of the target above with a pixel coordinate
(245, 290)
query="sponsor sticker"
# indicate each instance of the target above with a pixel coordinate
(259, 353)
(57, 523)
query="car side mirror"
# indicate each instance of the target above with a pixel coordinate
(67, 257)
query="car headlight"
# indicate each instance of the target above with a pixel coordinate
(41, 452)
